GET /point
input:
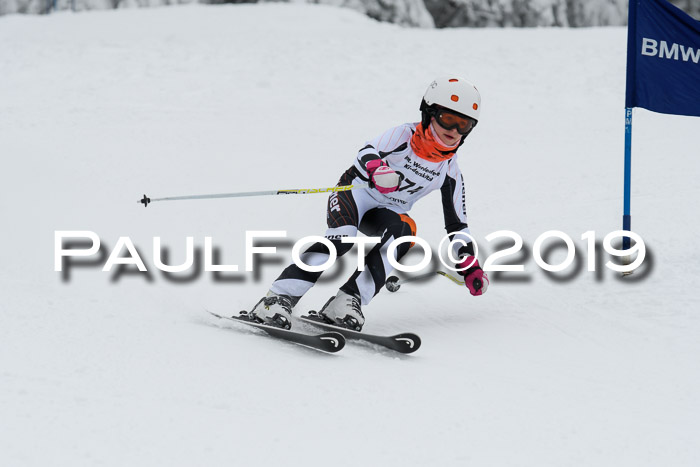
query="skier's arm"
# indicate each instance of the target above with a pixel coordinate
(394, 139)
(455, 211)
(371, 167)
(365, 156)
(370, 164)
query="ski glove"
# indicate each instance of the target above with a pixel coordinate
(475, 278)
(381, 176)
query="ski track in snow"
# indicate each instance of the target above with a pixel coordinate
(98, 108)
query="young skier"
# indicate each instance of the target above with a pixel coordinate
(401, 166)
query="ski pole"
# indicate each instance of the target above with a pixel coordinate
(300, 191)
(393, 283)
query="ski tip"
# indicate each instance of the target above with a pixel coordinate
(332, 341)
(407, 342)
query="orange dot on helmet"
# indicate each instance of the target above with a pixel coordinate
(475, 106)
(454, 98)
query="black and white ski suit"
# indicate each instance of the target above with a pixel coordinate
(380, 215)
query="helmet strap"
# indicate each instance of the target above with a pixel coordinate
(425, 116)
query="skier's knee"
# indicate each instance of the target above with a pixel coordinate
(403, 228)
(410, 224)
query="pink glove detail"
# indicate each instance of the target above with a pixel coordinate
(382, 177)
(475, 278)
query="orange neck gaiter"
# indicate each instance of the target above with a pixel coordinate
(428, 147)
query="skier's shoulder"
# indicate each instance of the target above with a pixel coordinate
(452, 165)
(394, 137)
(402, 128)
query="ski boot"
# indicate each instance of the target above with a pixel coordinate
(343, 310)
(273, 309)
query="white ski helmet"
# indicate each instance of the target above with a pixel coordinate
(452, 93)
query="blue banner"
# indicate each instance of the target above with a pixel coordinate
(663, 58)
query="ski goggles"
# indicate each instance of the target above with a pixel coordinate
(449, 120)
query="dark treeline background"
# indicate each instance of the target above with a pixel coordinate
(412, 13)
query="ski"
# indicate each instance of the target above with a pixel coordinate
(406, 342)
(327, 342)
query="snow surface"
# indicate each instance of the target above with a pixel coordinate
(568, 369)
